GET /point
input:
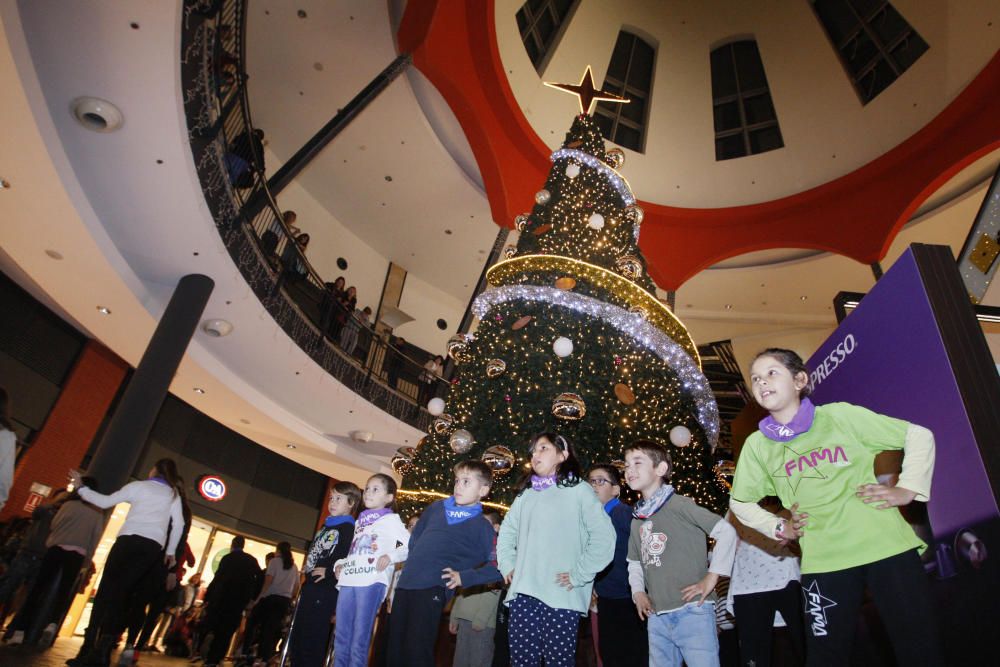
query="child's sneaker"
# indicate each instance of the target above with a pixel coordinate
(48, 635)
(16, 638)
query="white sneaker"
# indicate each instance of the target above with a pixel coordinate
(49, 634)
(16, 638)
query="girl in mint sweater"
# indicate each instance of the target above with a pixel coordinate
(554, 540)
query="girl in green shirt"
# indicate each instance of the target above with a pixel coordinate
(554, 540)
(819, 460)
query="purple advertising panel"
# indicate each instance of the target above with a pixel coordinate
(888, 356)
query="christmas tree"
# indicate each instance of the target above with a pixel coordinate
(572, 338)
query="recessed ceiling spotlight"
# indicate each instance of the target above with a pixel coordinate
(104, 310)
(4, 184)
(302, 13)
(290, 446)
(96, 114)
(803, 297)
(199, 390)
(54, 254)
(244, 421)
(217, 328)
(388, 178)
(447, 231)
(729, 306)
(318, 66)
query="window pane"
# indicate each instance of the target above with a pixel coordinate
(858, 53)
(635, 110)
(877, 80)
(758, 109)
(889, 25)
(535, 6)
(619, 57)
(837, 18)
(641, 73)
(545, 28)
(749, 69)
(729, 147)
(907, 52)
(628, 137)
(723, 74)
(765, 140)
(522, 21)
(562, 7)
(727, 116)
(867, 8)
(533, 53)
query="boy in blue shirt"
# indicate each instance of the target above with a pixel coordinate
(450, 547)
(621, 634)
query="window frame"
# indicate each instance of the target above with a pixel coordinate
(561, 24)
(615, 112)
(739, 97)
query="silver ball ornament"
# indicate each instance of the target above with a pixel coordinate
(499, 459)
(461, 441)
(542, 197)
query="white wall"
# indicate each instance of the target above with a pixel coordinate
(329, 239)
(426, 304)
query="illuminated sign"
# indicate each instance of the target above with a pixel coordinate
(212, 488)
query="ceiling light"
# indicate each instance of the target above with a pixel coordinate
(103, 310)
(290, 446)
(96, 114)
(803, 297)
(54, 254)
(244, 421)
(729, 306)
(199, 390)
(4, 184)
(361, 436)
(217, 328)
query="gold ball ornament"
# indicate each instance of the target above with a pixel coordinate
(509, 251)
(543, 197)
(461, 441)
(495, 368)
(422, 442)
(569, 406)
(499, 459)
(521, 222)
(634, 214)
(442, 424)
(458, 348)
(615, 158)
(640, 311)
(401, 465)
(629, 266)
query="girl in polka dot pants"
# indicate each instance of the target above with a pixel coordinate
(554, 540)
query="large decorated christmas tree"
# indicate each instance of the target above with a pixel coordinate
(572, 338)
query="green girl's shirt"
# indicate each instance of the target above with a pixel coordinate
(821, 470)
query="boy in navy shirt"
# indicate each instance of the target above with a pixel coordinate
(450, 547)
(621, 633)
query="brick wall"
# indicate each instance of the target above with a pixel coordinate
(70, 427)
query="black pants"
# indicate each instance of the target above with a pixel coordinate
(899, 588)
(266, 621)
(221, 622)
(57, 563)
(130, 561)
(311, 632)
(621, 634)
(413, 630)
(157, 606)
(755, 618)
(148, 598)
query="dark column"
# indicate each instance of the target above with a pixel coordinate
(290, 169)
(876, 270)
(126, 434)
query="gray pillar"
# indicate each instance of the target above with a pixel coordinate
(119, 449)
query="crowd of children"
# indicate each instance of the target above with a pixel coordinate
(520, 588)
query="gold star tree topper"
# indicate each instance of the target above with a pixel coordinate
(586, 94)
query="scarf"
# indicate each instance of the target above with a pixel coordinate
(542, 483)
(457, 514)
(611, 504)
(332, 521)
(801, 422)
(368, 517)
(647, 507)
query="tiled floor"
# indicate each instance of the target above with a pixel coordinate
(64, 649)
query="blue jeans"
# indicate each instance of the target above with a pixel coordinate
(684, 635)
(357, 607)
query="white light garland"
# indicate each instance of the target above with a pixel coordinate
(630, 324)
(613, 176)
